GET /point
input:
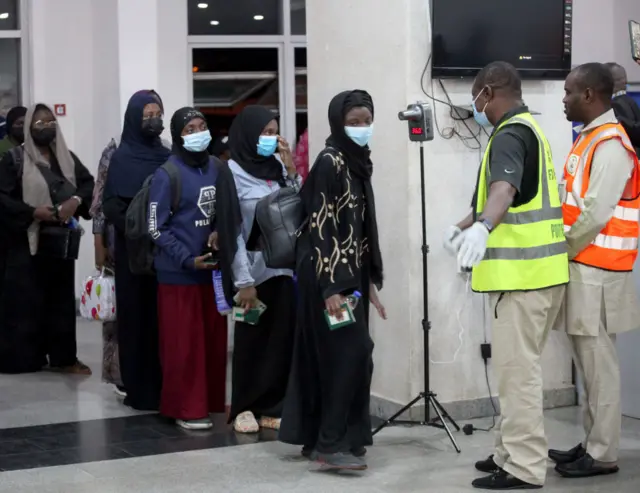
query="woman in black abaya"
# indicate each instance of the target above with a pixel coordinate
(327, 405)
(140, 154)
(42, 186)
(261, 162)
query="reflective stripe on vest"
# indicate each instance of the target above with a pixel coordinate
(616, 246)
(528, 249)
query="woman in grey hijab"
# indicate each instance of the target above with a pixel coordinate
(44, 189)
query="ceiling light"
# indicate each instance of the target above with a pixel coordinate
(203, 5)
(258, 17)
(4, 15)
(214, 23)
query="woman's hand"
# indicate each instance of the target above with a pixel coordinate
(285, 154)
(44, 214)
(247, 298)
(212, 242)
(68, 209)
(202, 262)
(334, 304)
(375, 301)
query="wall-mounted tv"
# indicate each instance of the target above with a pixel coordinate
(533, 35)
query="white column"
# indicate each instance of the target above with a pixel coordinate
(137, 47)
(153, 51)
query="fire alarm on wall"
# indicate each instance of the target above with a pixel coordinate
(60, 109)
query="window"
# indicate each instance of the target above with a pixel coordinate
(301, 91)
(9, 74)
(9, 15)
(235, 17)
(10, 58)
(298, 17)
(225, 80)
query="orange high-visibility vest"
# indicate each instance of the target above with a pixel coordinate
(616, 246)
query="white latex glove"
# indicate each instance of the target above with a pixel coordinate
(450, 235)
(472, 245)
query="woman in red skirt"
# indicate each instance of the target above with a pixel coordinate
(193, 335)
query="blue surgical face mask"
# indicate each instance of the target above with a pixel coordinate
(197, 142)
(480, 116)
(267, 145)
(360, 135)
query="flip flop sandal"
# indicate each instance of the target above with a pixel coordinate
(270, 423)
(246, 423)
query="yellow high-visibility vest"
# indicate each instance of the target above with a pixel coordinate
(527, 250)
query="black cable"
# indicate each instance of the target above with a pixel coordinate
(486, 374)
(464, 138)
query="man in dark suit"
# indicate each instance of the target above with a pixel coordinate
(626, 109)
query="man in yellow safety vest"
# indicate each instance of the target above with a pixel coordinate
(514, 241)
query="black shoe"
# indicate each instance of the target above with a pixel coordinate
(359, 452)
(309, 452)
(489, 465)
(584, 467)
(566, 457)
(340, 460)
(502, 480)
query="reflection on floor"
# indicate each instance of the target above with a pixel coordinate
(100, 446)
(109, 439)
(45, 398)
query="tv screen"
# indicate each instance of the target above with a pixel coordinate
(534, 36)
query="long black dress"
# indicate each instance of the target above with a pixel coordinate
(327, 403)
(37, 303)
(137, 302)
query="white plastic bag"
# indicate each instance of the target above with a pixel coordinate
(98, 301)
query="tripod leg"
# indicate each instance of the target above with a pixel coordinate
(444, 413)
(434, 403)
(398, 414)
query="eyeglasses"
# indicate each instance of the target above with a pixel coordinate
(43, 124)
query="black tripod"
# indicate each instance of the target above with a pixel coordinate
(428, 396)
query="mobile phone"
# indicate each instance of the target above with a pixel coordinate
(634, 35)
(213, 259)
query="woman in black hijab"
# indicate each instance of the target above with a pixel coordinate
(327, 404)
(262, 352)
(193, 335)
(15, 129)
(140, 153)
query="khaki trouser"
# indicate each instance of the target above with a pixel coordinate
(521, 323)
(596, 359)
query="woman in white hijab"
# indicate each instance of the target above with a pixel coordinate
(44, 189)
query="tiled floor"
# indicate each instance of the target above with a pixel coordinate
(109, 439)
(99, 446)
(45, 398)
(403, 460)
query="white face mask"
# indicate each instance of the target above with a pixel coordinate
(360, 135)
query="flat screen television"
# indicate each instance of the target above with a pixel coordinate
(534, 36)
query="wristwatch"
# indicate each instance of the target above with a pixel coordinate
(77, 199)
(487, 224)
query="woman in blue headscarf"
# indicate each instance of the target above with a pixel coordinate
(140, 153)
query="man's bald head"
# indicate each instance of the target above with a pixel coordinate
(500, 77)
(588, 92)
(619, 75)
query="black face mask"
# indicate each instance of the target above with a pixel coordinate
(43, 136)
(152, 127)
(17, 133)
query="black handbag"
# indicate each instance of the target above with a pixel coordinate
(60, 242)
(280, 218)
